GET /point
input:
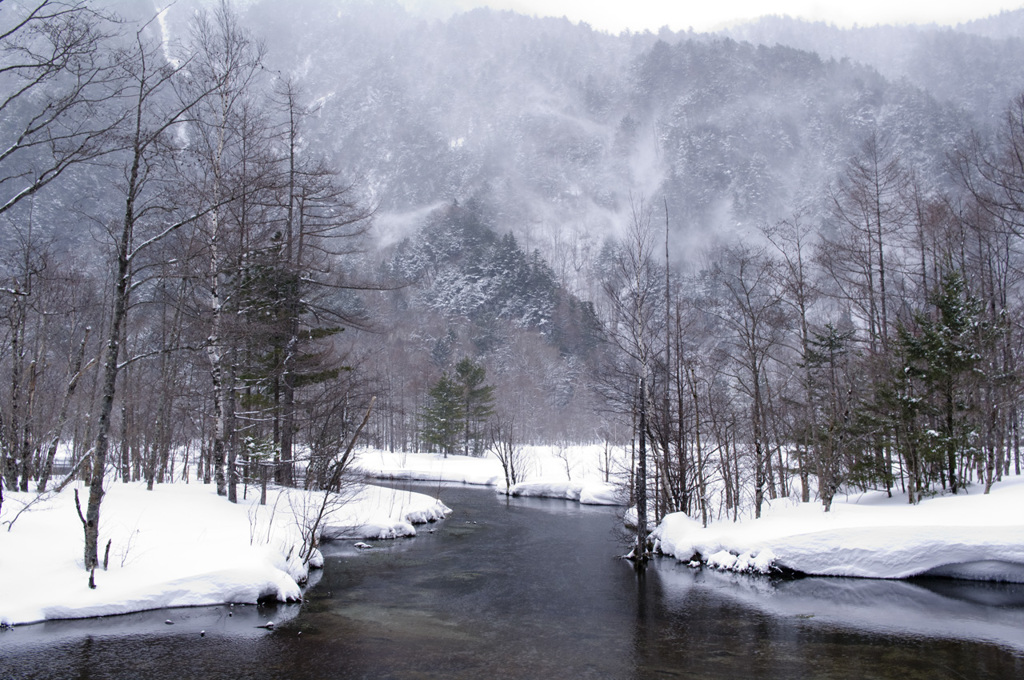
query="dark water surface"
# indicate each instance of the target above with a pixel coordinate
(533, 589)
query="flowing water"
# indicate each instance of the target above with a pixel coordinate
(530, 588)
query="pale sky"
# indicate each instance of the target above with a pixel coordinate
(703, 15)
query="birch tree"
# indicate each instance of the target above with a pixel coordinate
(754, 314)
(225, 70)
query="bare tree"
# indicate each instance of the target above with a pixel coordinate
(225, 69)
(870, 206)
(994, 176)
(47, 310)
(508, 449)
(148, 141)
(335, 479)
(633, 294)
(793, 239)
(754, 314)
(57, 84)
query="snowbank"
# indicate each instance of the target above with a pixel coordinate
(430, 467)
(547, 471)
(973, 536)
(379, 513)
(179, 545)
(587, 493)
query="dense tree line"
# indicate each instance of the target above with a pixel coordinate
(873, 347)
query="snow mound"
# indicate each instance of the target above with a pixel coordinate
(384, 514)
(588, 493)
(377, 530)
(600, 493)
(242, 585)
(974, 536)
(433, 513)
(761, 563)
(900, 551)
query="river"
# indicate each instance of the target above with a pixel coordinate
(530, 588)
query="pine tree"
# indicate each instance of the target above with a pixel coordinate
(941, 358)
(443, 417)
(830, 389)
(477, 403)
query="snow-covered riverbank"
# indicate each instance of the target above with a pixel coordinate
(970, 535)
(179, 545)
(574, 473)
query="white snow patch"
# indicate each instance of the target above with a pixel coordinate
(381, 513)
(430, 467)
(970, 535)
(179, 545)
(588, 493)
(723, 559)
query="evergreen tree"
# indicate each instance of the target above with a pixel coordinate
(477, 403)
(443, 418)
(940, 358)
(831, 390)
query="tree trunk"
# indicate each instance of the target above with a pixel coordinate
(640, 555)
(62, 417)
(110, 371)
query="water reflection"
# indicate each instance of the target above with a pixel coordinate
(714, 624)
(939, 608)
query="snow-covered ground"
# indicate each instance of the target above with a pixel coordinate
(179, 545)
(573, 473)
(430, 467)
(970, 535)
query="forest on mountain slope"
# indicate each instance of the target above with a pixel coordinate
(233, 233)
